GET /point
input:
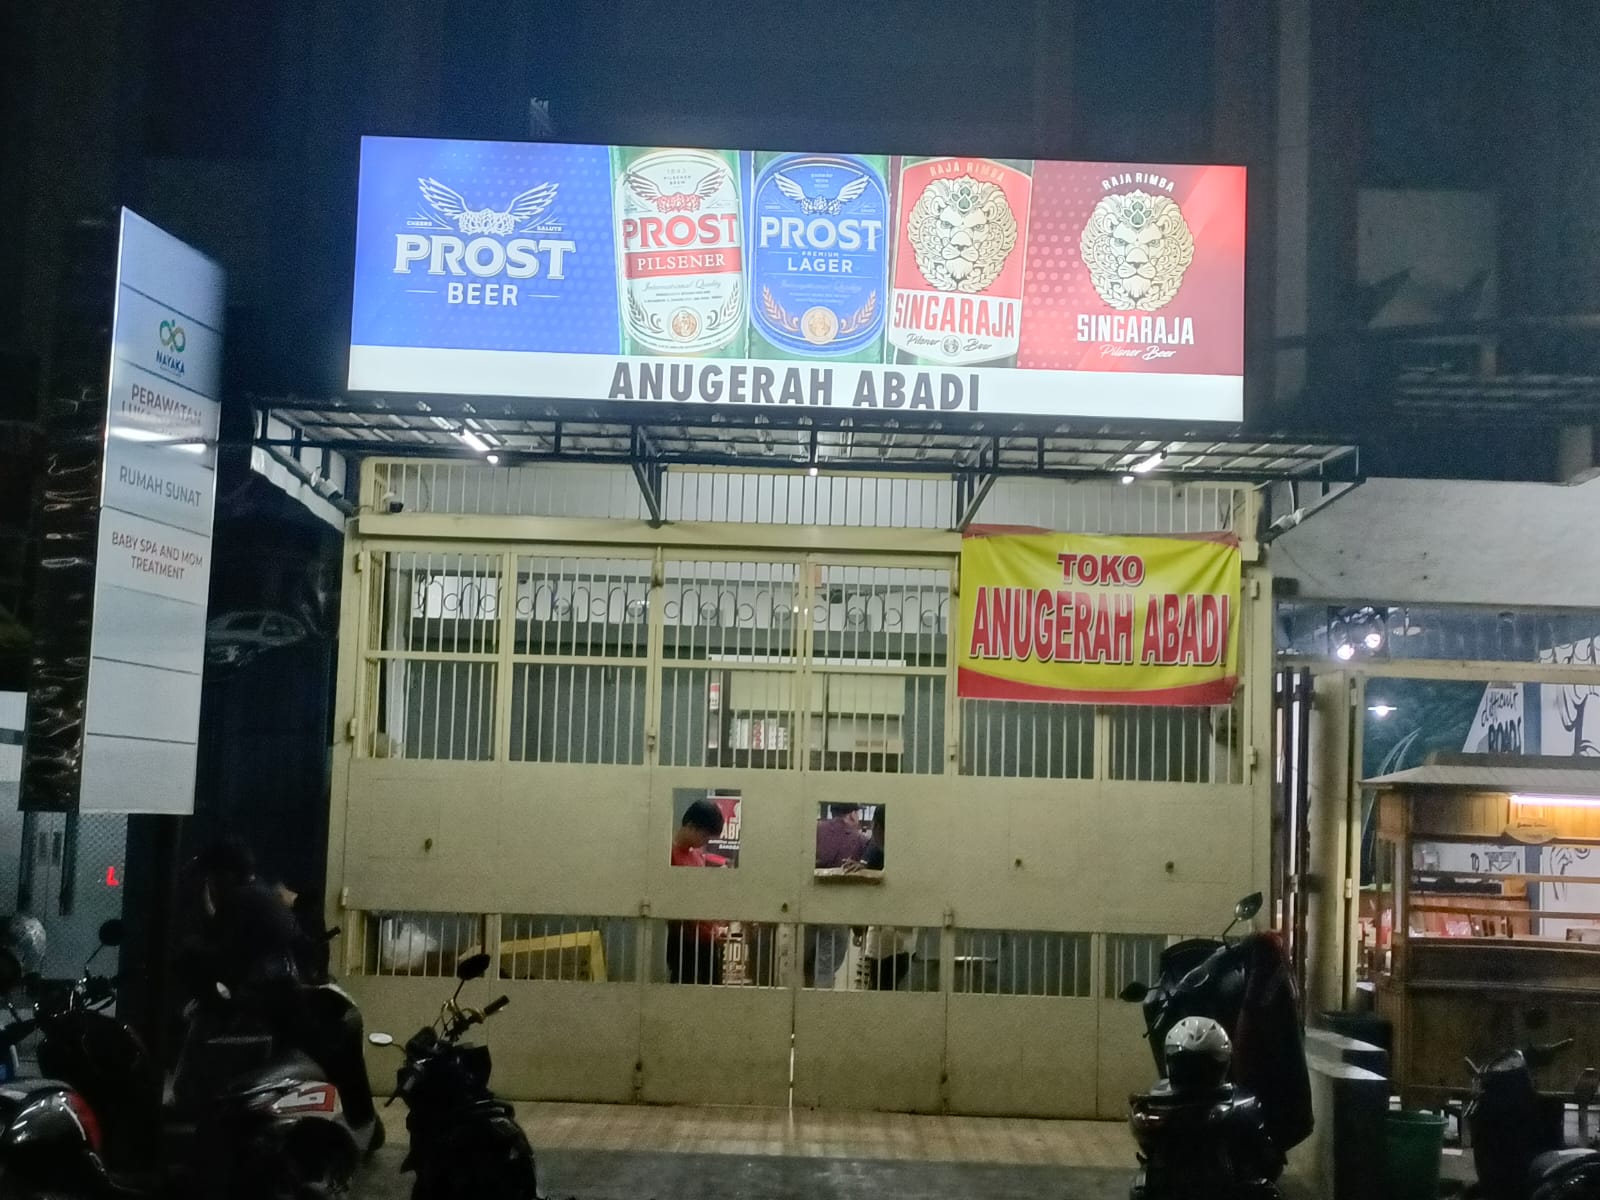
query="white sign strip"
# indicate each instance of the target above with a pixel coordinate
(158, 494)
(865, 387)
(133, 775)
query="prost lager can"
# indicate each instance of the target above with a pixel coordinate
(819, 237)
(680, 265)
(961, 236)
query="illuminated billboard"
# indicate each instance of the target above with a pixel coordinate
(853, 282)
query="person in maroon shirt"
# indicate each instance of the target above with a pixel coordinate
(694, 955)
(839, 837)
(840, 843)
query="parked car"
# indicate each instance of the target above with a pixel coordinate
(237, 636)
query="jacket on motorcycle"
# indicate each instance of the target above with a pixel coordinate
(1269, 1020)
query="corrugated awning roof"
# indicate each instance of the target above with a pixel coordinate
(748, 438)
(1484, 773)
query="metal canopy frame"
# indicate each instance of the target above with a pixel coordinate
(973, 450)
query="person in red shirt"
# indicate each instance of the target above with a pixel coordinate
(694, 954)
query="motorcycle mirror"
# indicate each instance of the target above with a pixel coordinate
(1133, 993)
(1248, 907)
(111, 933)
(475, 966)
(380, 1039)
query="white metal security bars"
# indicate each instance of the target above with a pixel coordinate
(570, 949)
(797, 664)
(879, 647)
(1176, 745)
(432, 654)
(419, 944)
(847, 672)
(872, 958)
(719, 951)
(1134, 958)
(1015, 962)
(796, 498)
(1068, 741)
(1015, 740)
(731, 634)
(580, 670)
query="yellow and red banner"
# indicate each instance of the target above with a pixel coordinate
(1093, 619)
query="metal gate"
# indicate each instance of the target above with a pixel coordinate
(525, 721)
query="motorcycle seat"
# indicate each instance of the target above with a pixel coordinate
(1556, 1166)
(18, 1090)
(14, 1094)
(285, 1064)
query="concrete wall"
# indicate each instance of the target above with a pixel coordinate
(1424, 541)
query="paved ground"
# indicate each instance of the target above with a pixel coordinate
(651, 1175)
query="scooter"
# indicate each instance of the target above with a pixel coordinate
(465, 1143)
(1518, 1136)
(22, 949)
(1199, 1136)
(1243, 1122)
(96, 1124)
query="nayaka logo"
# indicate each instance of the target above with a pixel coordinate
(1137, 248)
(520, 241)
(169, 354)
(821, 254)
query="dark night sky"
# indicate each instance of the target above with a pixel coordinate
(250, 84)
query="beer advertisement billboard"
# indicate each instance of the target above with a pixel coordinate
(868, 283)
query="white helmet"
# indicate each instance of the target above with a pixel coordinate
(24, 937)
(1198, 1052)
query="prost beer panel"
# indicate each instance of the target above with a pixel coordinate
(488, 246)
(667, 275)
(819, 238)
(679, 262)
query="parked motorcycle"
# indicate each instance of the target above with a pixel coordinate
(465, 1143)
(22, 948)
(1518, 1135)
(1235, 1092)
(95, 1125)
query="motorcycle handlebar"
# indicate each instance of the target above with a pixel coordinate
(1542, 1055)
(495, 1006)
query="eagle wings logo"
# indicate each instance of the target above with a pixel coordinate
(451, 205)
(810, 205)
(674, 202)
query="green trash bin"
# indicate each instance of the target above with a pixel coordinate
(1413, 1150)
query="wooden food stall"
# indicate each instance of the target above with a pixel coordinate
(1487, 917)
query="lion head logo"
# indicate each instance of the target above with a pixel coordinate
(962, 231)
(1137, 247)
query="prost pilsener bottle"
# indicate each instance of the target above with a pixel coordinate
(961, 235)
(819, 240)
(680, 266)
